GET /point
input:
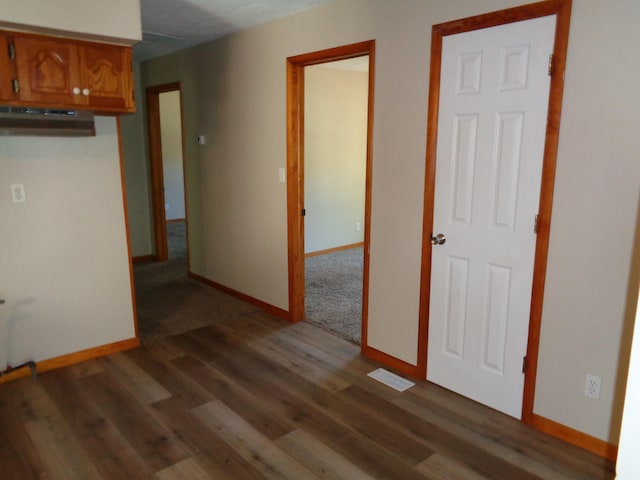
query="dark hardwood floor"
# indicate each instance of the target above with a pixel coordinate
(258, 398)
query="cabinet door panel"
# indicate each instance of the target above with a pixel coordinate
(107, 74)
(47, 69)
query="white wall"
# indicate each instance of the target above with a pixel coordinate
(171, 138)
(234, 92)
(115, 20)
(335, 145)
(64, 268)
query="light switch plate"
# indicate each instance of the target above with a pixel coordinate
(18, 194)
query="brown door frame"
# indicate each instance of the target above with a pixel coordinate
(155, 164)
(295, 170)
(561, 8)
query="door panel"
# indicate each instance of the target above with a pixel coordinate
(50, 70)
(494, 91)
(105, 75)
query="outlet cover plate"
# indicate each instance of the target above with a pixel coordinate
(18, 193)
(592, 386)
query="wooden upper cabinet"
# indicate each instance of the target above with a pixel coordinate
(58, 72)
(107, 75)
(47, 70)
(6, 71)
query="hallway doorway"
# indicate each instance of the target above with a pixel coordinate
(335, 145)
(297, 197)
(164, 116)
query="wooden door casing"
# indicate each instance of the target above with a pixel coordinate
(561, 8)
(491, 131)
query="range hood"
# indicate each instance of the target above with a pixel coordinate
(46, 122)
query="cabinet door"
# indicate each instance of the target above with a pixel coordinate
(6, 71)
(47, 70)
(106, 76)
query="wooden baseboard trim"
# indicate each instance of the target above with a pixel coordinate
(176, 220)
(390, 361)
(334, 249)
(142, 258)
(73, 358)
(575, 437)
(278, 312)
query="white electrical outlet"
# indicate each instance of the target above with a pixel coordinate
(357, 226)
(18, 193)
(592, 386)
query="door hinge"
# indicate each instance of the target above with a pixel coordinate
(304, 212)
(524, 364)
(16, 85)
(12, 51)
(536, 224)
(550, 69)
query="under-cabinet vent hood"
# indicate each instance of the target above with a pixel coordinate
(46, 122)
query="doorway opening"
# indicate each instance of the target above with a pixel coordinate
(328, 186)
(168, 187)
(335, 143)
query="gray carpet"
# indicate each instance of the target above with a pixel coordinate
(168, 302)
(333, 292)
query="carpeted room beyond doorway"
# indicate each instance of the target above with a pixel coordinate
(333, 292)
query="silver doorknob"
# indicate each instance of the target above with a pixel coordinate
(438, 239)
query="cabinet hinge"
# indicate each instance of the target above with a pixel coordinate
(536, 224)
(16, 85)
(12, 51)
(304, 212)
(550, 69)
(524, 364)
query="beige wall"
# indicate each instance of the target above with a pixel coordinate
(137, 176)
(234, 92)
(585, 315)
(115, 20)
(64, 269)
(335, 160)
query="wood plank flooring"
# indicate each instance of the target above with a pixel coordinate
(257, 398)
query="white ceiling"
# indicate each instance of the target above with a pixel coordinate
(171, 25)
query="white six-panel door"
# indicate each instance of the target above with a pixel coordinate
(494, 91)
